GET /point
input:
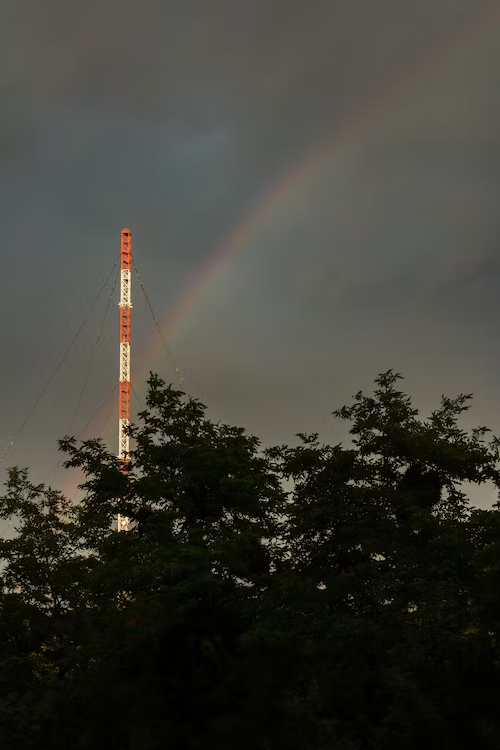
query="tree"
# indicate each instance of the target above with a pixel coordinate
(380, 539)
(357, 608)
(163, 605)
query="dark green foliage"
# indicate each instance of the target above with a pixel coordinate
(358, 609)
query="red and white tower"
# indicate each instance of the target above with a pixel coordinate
(125, 307)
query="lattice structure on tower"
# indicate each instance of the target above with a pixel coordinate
(125, 305)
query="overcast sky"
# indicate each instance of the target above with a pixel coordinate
(177, 119)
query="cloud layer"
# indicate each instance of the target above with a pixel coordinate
(176, 118)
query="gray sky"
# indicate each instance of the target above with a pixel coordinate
(176, 119)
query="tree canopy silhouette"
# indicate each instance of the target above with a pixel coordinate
(310, 597)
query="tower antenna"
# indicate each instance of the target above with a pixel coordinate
(125, 305)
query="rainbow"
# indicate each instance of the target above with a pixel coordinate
(349, 137)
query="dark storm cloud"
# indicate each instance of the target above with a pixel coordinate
(176, 118)
(248, 64)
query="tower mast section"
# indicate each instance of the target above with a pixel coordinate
(125, 305)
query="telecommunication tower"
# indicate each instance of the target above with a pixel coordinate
(125, 305)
